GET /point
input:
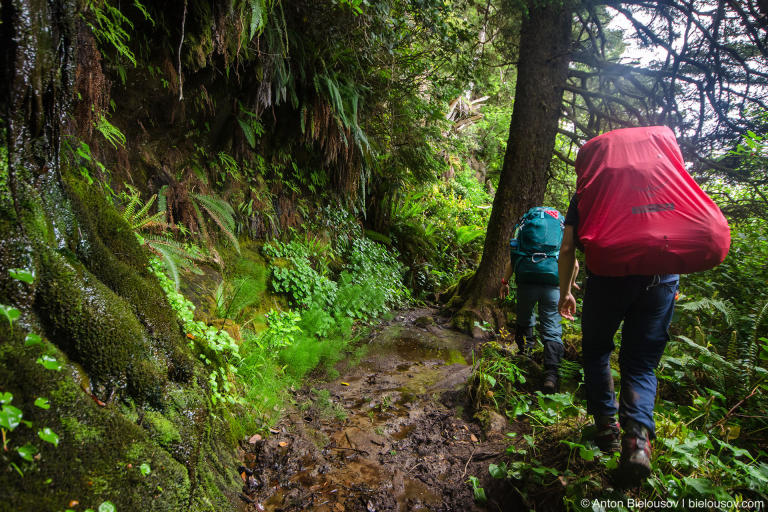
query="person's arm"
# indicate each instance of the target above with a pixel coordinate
(575, 274)
(504, 291)
(567, 269)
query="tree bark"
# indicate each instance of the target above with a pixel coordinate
(542, 72)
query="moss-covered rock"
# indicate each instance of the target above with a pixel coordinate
(92, 325)
(107, 235)
(99, 451)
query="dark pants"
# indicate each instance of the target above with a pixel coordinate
(645, 304)
(546, 296)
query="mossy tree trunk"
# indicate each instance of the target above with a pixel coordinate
(542, 72)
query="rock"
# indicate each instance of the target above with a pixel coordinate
(424, 321)
(492, 422)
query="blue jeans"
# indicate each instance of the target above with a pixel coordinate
(645, 304)
(550, 330)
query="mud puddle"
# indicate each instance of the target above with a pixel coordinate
(390, 434)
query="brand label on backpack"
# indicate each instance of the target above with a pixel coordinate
(649, 208)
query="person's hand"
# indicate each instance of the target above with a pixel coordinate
(575, 285)
(567, 306)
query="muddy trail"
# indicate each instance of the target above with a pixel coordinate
(392, 433)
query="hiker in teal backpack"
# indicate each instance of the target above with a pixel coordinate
(533, 260)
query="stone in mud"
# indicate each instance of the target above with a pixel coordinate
(493, 423)
(424, 321)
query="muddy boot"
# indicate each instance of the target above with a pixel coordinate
(635, 462)
(525, 340)
(553, 354)
(607, 435)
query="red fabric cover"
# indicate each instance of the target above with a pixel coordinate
(640, 212)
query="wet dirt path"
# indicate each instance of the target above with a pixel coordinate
(390, 434)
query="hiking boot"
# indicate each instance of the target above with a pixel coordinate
(607, 436)
(550, 385)
(553, 354)
(635, 462)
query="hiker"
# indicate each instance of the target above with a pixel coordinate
(533, 260)
(640, 219)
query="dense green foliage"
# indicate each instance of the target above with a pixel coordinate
(233, 191)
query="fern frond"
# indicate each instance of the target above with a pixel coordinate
(222, 214)
(466, 234)
(174, 254)
(170, 263)
(754, 345)
(707, 304)
(130, 208)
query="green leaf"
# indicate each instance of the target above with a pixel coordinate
(10, 417)
(248, 132)
(588, 454)
(32, 339)
(49, 363)
(145, 469)
(496, 471)
(10, 313)
(21, 274)
(6, 398)
(42, 402)
(27, 452)
(107, 506)
(49, 436)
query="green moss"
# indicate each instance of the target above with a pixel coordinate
(107, 235)
(97, 444)
(79, 432)
(161, 429)
(91, 324)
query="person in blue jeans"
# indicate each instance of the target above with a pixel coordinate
(645, 305)
(530, 292)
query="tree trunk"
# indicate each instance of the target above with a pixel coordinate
(542, 71)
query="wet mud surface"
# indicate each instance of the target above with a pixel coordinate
(390, 434)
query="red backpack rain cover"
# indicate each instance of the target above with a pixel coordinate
(640, 212)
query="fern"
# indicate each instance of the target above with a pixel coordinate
(467, 234)
(707, 304)
(174, 254)
(754, 344)
(141, 219)
(222, 214)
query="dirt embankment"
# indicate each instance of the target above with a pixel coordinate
(390, 434)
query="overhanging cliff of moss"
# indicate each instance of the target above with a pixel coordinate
(104, 399)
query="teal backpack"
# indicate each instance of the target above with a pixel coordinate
(536, 247)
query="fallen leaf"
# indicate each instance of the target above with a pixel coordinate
(73, 503)
(339, 507)
(344, 384)
(255, 438)
(472, 438)
(465, 428)
(274, 431)
(190, 336)
(282, 444)
(242, 475)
